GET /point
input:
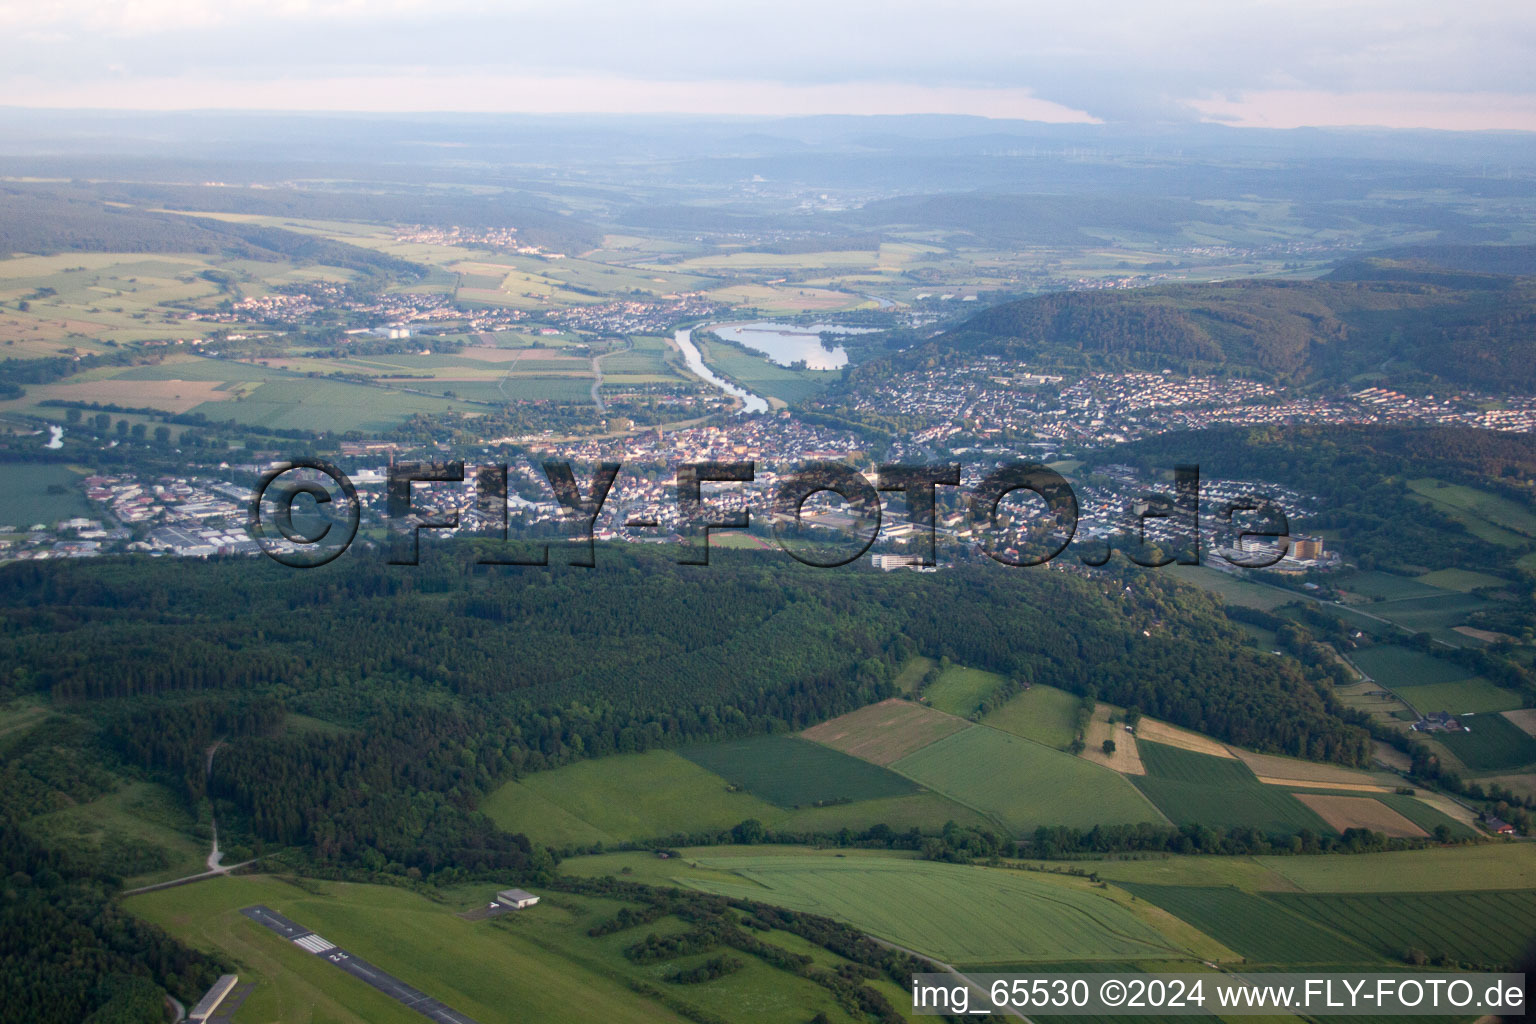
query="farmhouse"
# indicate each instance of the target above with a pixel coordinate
(1498, 826)
(1438, 721)
(516, 899)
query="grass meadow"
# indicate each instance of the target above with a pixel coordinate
(1023, 785)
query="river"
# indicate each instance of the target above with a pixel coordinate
(695, 361)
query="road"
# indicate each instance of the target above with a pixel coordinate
(359, 968)
(970, 983)
(215, 862)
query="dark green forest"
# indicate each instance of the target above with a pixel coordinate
(1418, 327)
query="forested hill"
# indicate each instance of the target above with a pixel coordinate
(1456, 329)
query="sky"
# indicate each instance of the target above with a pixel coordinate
(1391, 63)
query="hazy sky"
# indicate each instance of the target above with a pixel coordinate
(1401, 63)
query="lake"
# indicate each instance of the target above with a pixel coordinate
(787, 344)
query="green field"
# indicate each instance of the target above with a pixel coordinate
(1490, 866)
(1493, 928)
(1231, 589)
(1260, 930)
(1041, 713)
(1395, 666)
(791, 772)
(1475, 695)
(1423, 815)
(912, 673)
(1384, 586)
(140, 829)
(39, 492)
(960, 691)
(1491, 743)
(658, 795)
(1193, 788)
(1433, 615)
(970, 914)
(1463, 580)
(1022, 784)
(623, 797)
(327, 405)
(1486, 516)
(534, 967)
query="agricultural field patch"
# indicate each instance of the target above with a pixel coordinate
(175, 396)
(1344, 812)
(960, 691)
(1182, 739)
(1489, 516)
(1493, 928)
(621, 797)
(1254, 926)
(929, 812)
(1523, 719)
(1279, 768)
(40, 492)
(790, 299)
(973, 915)
(1024, 785)
(326, 405)
(1438, 869)
(1231, 589)
(1465, 696)
(791, 772)
(1041, 713)
(1385, 586)
(557, 389)
(884, 732)
(1394, 666)
(1125, 758)
(1433, 615)
(1490, 743)
(1462, 580)
(1193, 788)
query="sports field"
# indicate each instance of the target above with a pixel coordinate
(791, 772)
(1041, 713)
(885, 732)
(1022, 784)
(973, 915)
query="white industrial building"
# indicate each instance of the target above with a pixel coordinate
(211, 1000)
(517, 899)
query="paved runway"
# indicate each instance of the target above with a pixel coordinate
(357, 967)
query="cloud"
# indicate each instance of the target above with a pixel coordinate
(1116, 59)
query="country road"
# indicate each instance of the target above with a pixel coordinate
(969, 982)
